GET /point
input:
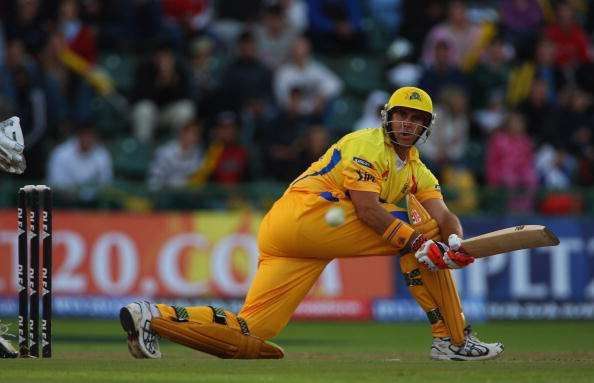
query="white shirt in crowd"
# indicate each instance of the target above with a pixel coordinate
(69, 167)
(172, 167)
(313, 80)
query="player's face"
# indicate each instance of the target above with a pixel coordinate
(408, 125)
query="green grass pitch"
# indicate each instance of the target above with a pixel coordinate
(95, 351)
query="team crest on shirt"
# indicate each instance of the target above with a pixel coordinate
(385, 175)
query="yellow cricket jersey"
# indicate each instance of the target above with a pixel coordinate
(365, 160)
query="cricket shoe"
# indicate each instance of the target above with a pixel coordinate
(472, 349)
(6, 348)
(136, 321)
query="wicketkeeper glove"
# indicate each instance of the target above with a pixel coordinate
(12, 146)
(437, 255)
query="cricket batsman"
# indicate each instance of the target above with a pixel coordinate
(366, 173)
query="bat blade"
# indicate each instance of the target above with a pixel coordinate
(510, 239)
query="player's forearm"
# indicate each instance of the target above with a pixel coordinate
(395, 231)
(375, 217)
(450, 224)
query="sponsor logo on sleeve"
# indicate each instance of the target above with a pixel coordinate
(361, 161)
(437, 187)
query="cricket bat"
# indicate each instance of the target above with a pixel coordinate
(510, 239)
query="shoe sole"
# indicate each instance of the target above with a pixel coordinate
(460, 358)
(127, 323)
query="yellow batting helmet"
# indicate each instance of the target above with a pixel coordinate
(409, 97)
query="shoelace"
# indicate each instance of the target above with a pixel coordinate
(149, 337)
(468, 333)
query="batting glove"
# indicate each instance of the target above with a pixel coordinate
(437, 255)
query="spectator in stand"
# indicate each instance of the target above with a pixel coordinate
(123, 25)
(491, 74)
(78, 35)
(192, 17)
(206, 69)
(404, 69)
(177, 160)
(418, 18)
(78, 38)
(457, 31)
(316, 84)
(371, 117)
(296, 14)
(555, 167)
(162, 95)
(26, 23)
(578, 125)
(570, 39)
(274, 37)
(541, 114)
(280, 147)
(16, 59)
(61, 93)
(233, 18)
(442, 73)
(520, 22)
(81, 161)
(311, 146)
(336, 26)
(544, 68)
(490, 117)
(510, 162)
(387, 13)
(245, 77)
(232, 163)
(258, 122)
(449, 138)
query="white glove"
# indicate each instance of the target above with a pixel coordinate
(12, 145)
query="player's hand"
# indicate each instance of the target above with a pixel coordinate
(437, 255)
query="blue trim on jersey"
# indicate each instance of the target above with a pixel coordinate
(401, 215)
(328, 196)
(334, 160)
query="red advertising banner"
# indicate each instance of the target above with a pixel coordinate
(174, 255)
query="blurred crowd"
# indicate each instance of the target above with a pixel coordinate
(178, 93)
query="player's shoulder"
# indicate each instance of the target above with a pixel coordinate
(369, 141)
(371, 137)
